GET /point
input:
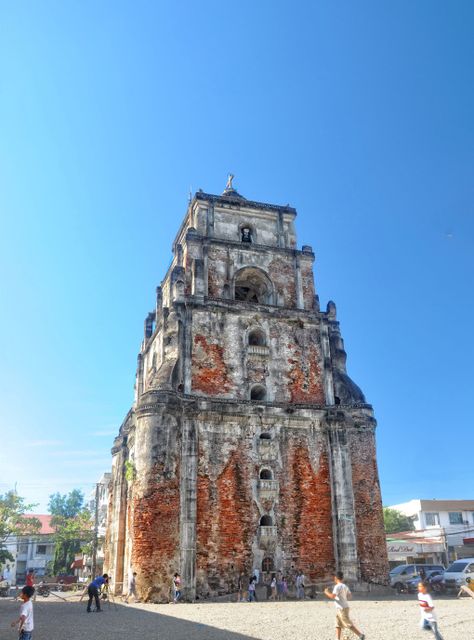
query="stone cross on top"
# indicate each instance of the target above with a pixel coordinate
(228, 186)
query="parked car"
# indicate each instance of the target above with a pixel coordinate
(400, 575)
(457, 574)
(433, 576)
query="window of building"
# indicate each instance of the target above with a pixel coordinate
(41, 549)
(266, 436)
(257, 338)
(258, 392)
(432, 519)
(253, 285)
(268, 565)
(472, 517)
(266, 474)
(246, 234)
(266, 521)
(455, 517)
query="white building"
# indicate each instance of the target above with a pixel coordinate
(102, 491)
(450, 520)
(83, 567)
(415, 547)
(29, 552)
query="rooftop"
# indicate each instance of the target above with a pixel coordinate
(447, 505)
(45, 521)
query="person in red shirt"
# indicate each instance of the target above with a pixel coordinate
(30, 578)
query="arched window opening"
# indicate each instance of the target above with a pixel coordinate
(246, 234)
(265, 436)
(337, 401)
(252, 285)
(266, 521)
(266, 474)
(257, 338)
(258, 392)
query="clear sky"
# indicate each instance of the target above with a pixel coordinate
(359, 114)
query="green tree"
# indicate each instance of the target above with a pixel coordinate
(13, 521)
(72, 523)
(395, 521)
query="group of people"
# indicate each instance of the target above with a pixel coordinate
(340, 594)
(277, 587)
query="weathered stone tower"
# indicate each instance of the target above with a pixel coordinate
(248, 445)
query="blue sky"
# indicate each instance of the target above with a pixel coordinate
(359, 114)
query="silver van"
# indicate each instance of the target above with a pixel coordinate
(457, 574)
(405, 572)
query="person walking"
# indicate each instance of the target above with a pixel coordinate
(30, 581)
(132, 588)
(30, 578)
(341, 594)
(252, 597)
(300, 585)
(429, 621)
(240, 587)
(25, 620)
(176, 588)
(279, 586)
(273, 588)
(93, 591)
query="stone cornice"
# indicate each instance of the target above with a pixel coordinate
(240, 202)
(248, 246)
(206, 403)
(238, 306)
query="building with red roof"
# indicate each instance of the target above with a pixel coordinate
(30, 552)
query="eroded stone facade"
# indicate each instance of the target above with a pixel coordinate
(248, 446)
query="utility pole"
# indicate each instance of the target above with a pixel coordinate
(96, 532)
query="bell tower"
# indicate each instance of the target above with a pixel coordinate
(248, 446)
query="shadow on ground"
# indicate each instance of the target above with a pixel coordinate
(70, 621)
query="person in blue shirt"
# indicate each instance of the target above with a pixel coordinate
(93, 591)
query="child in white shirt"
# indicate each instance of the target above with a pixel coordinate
(25, 621)
(428, 616)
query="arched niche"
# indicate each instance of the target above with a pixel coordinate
(256, 337)
(258, 392)
(252, 284)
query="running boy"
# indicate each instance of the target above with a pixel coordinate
(428, 616)
(25, 621)
(341, 594)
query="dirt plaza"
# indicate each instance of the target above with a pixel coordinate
(390, 619)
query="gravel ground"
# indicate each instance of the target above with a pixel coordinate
(310, 620)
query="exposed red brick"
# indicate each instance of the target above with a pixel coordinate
(305, 377)
(226, 523)
(307, 280)
(209, 371)
(156, 557)
(305, 510)
(371, 545)
(282, 273)
(236, 513)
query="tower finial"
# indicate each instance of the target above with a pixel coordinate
(230, 190)
(228, 186)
